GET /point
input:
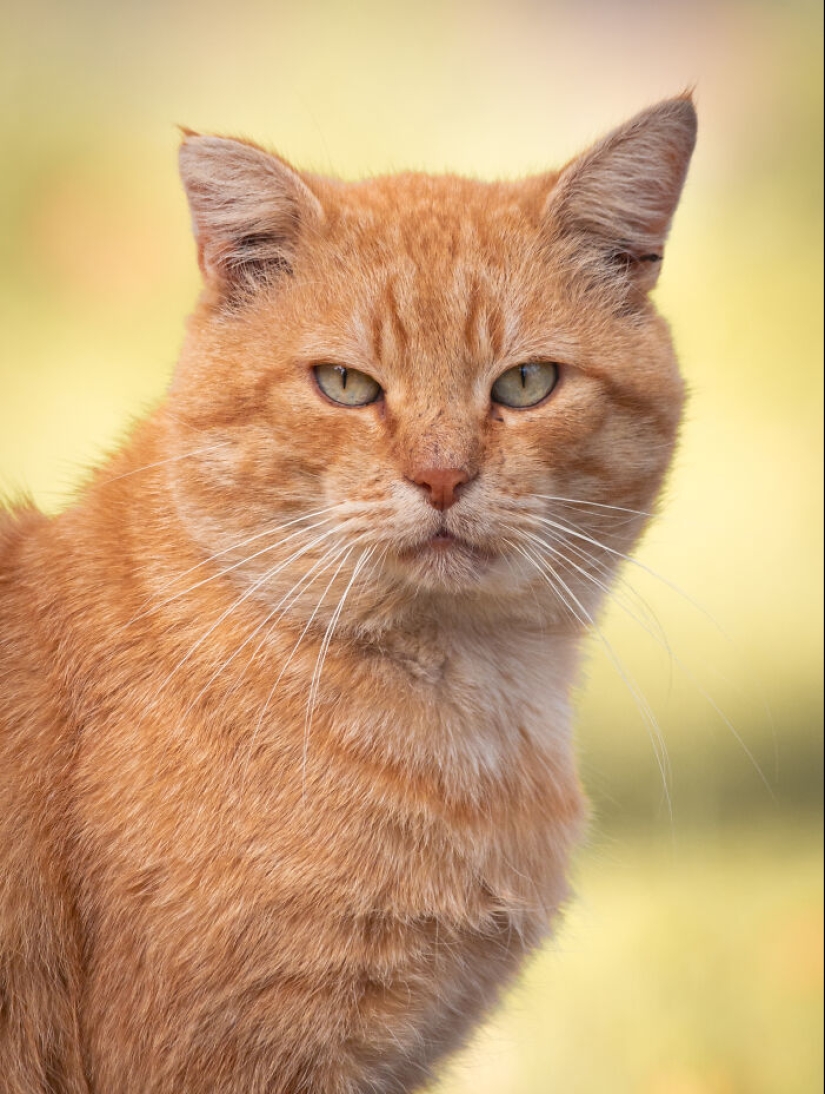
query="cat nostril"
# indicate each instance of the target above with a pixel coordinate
(441, 484)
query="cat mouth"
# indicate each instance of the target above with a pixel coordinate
(443, 541)
(445, 544)
(444, 561)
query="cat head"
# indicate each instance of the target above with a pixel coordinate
(431, 386)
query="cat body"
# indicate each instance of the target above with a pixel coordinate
(286, 776)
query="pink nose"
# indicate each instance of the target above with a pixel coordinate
(441, 484)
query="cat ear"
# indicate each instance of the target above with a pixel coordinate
(620, 195)
(248, 210)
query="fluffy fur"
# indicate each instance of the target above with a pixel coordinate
(287, 792)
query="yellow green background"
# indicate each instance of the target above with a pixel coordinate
(691, 960)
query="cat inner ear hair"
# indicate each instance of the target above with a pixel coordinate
(248, 210)
(617, 199)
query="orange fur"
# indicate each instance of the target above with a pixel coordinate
(287, 791)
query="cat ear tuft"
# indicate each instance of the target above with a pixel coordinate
(622, 193)
(248, 211)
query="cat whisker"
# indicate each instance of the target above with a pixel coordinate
(152, 606)
(569, 530)
(659, 636)
(577, 609)
(592, 504)
(271, 619)
(346, 550)
(650, 623)
(160, 463)
(321, 565)
(248, 592)
(366, 554)
(655, 631)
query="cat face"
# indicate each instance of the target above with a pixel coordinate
(428, 385)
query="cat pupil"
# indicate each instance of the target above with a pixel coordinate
(343, 372)
(523, 373)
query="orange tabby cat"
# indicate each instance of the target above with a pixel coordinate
(286, 785)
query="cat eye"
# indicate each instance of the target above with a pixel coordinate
(525, 385)
(346, 386)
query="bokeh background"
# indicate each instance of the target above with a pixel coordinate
(691, 960)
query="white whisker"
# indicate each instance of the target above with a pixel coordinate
(567, 529)
(592, 504)
(366, 554)
(655, 632)
(227, 550)
(347, 550)
(272, 617)
(160, 463)
(249, 591)
(568, 597)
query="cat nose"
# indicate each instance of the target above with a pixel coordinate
(441, 484)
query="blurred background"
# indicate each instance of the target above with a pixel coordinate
(691, 959)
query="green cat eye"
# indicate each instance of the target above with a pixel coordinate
(346, 386)
(525, 385)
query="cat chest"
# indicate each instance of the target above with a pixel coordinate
(387, 861)
(432, 790)
(391, 921)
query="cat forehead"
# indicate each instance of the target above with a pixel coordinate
(432, 252)
(435, 213)
(424, 267)
(425, 264)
